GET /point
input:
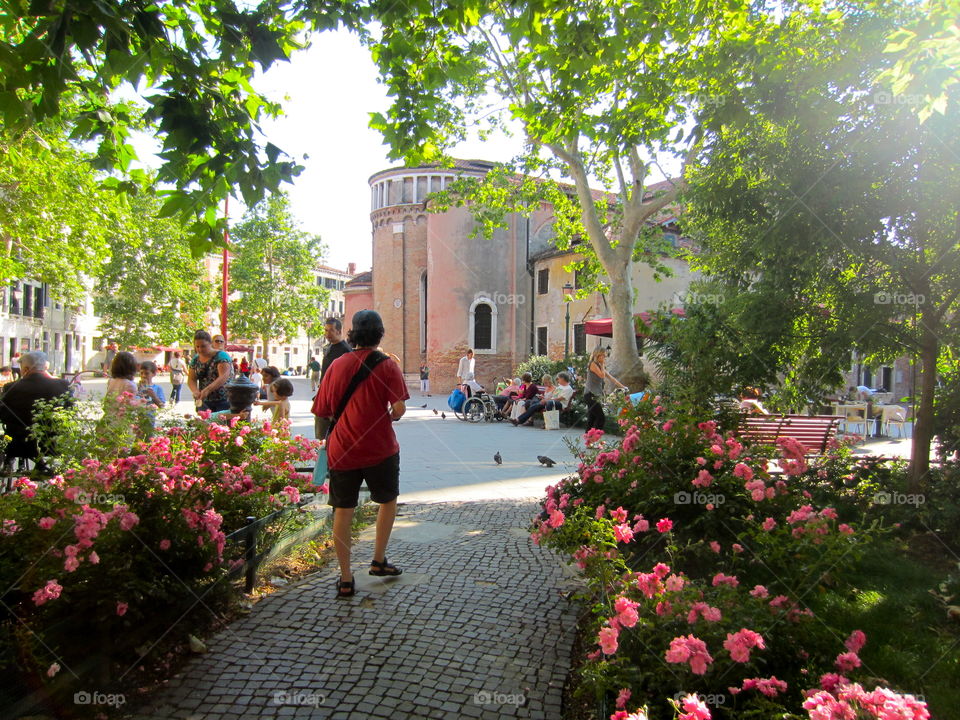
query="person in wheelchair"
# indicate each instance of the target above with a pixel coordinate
(471, 386)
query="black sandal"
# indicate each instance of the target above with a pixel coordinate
(384, 568)
(346, 589)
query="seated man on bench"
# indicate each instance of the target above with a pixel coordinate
(556, 399)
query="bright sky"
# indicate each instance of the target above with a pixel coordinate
(329, 91)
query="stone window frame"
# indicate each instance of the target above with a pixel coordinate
(483, 300)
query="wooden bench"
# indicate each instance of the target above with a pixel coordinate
(813, 431)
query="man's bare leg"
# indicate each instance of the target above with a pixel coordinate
(385, 517)
(342, 538)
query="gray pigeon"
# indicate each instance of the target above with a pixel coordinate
(497, 459)
(544, 460)
(443, 416)
(436, 412)
(424, 405)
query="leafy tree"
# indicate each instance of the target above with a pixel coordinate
(54, 217)
(599, 89)
(193, 61)
(151, 289)
(827, 195)
(272, 272)
(927, 54)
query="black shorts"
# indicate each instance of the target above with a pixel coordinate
(383, 481)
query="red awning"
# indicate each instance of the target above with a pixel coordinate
(168, 348)
(604, 327)
(238, 348)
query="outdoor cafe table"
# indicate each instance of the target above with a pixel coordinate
(867, 409)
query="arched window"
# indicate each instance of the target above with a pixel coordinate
(483, 326)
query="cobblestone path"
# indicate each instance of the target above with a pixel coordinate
(474, 628)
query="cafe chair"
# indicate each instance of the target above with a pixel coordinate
(856, 416)
(894, 415)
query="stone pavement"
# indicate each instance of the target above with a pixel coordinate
(474, 628)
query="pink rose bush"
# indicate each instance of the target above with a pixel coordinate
(113, 542)
(699, 551)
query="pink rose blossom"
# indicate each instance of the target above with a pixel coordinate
(164, 544)
(693, 709)
(689, 649)
(626, 610)
(847, 661)
(664, 525)
(721, 579)
(623, 698)
(739, 644)
(556, 519)
(122, 608)
(856, 641)
(769, 524)
(607, 639)
(50, 591)
(623, 533)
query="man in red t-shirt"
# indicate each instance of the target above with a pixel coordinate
(362, 445)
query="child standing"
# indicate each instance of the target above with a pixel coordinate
(123, 370)
(147, 389)
(282, 390)
(424, 380)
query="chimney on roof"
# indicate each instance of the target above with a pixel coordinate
(351, 268)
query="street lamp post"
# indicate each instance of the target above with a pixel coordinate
(567, 296)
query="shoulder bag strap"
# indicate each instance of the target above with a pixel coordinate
(366, 368)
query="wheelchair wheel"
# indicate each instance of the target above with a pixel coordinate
(474, 410)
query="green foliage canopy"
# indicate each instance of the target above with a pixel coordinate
(600, 89)
(55, 219)
(151, 291)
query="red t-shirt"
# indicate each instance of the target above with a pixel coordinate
(363, 436)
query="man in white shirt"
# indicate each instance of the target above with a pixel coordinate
(260, 362)
(466, 368)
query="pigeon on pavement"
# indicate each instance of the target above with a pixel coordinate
(544, 460)
(436, 412)
(443, 416)
(497, 459)
(424, 405)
